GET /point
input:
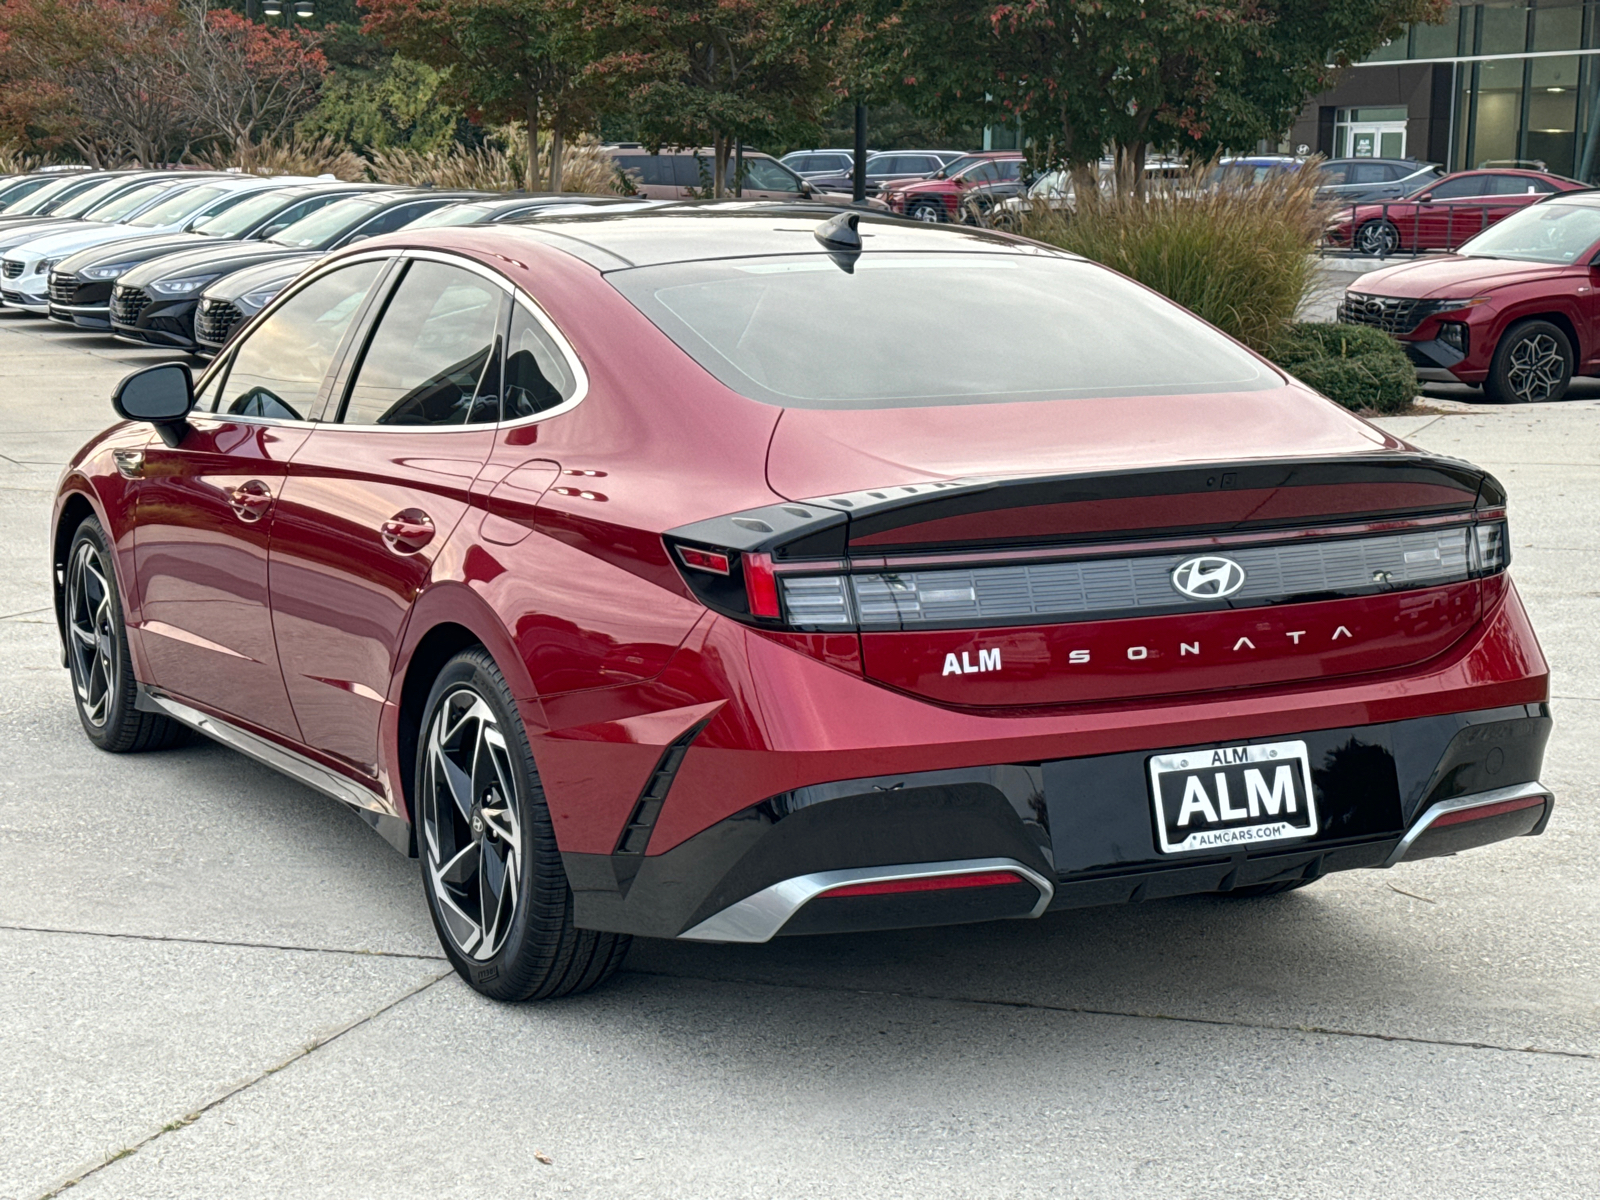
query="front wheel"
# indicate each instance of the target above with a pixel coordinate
(490, 866)
(928, 210)
(1533, 362)
(1379, 238)
(103, 686)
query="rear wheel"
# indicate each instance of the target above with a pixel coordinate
(103, 686)
(490, 867)
(1378, 237)
(1533, 362)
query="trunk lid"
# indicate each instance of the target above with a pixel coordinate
(1006, 555)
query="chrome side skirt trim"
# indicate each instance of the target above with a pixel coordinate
(287, 762)
(757, 918)
(1517, 791)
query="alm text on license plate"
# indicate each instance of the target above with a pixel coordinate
(1230, 796)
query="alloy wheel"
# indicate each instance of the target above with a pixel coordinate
(1379, 238)
(472, 824)
(926, 212)
(1536, 368)
(92, 634)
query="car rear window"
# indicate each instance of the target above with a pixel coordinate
(910, 330)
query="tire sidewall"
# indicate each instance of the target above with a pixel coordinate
(120, 709)
(497, 976)
(1498, 385)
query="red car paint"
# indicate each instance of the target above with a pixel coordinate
(1514, 291)
(949, 190)
(547, 548)
(1446, 212)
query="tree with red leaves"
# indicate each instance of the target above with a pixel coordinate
(247, 82)
(1082, 75)
(507, 60)
(103, 76)
(718, 72)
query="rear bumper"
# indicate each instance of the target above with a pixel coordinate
(1071, 833)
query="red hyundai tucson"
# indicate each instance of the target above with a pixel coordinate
(674, 574)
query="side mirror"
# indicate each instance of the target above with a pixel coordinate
(360, 237)
(1425, 198)
(162, 395)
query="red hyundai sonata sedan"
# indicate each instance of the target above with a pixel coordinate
(675, 574)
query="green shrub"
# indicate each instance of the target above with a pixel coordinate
(1359, 367)
(1240, 257)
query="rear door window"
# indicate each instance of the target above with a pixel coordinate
(428, 361)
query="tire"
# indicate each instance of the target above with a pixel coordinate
(519, 943)
(104, 689)
(1254, 890)
(1532, 363)
(927, 210)
(1378, 238)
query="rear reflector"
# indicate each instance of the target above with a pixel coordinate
(704, 560)
(1487, 810)
(928, 883)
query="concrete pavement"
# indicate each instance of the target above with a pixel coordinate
(218, 983)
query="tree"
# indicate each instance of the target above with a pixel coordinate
(1082, 75)
(247, 82)
(104, 76)
(508, 60)
(720, 72)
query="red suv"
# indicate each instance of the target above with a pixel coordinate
(979, 180)
(1515, 310)
(1445, 213)
(705, 574)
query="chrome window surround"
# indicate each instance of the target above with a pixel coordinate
(1516, 791)
(759, 917)
(1089, 588)
(224, 360)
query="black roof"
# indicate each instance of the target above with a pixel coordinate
(690, 232)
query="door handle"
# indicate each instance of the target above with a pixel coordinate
(408, 531)
(250, 500)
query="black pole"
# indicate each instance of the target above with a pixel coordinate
(738, 168)
(860, 183)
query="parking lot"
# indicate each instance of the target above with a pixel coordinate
(218, 983)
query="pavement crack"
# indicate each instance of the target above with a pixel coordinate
(27, 612)
(1135, 1015)
(227, 1094)
(199, 941)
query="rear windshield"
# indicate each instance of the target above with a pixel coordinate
(906, 330)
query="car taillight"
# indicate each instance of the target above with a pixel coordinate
(1491, 545)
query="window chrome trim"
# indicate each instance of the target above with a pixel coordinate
(759, 917)
(518, 296)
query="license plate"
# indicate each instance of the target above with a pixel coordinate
(1231, 796)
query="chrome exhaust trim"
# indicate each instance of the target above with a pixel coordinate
(757, 918)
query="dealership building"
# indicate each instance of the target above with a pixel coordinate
(1495, 84)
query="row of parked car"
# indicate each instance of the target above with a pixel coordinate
(181, 259)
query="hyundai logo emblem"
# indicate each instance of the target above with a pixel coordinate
(1208, 577)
